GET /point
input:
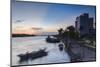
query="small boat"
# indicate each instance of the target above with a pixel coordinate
(52, 40)
(32, 55)
(61, 47)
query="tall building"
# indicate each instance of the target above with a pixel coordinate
(84, 25)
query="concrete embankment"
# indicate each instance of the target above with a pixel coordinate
(80, 52)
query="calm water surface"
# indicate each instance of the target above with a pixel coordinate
(21, 45)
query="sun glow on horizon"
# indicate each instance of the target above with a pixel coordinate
(36, 18)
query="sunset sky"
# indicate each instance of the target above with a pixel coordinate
(37, 18)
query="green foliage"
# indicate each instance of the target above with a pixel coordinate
(69, 33)
(71, 28)
(60, 31)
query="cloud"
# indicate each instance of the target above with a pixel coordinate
(19, 21)
(36, 28)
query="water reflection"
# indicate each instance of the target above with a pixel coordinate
(21, 45)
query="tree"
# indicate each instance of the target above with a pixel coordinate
(60, 31)
(71, 32)
(71, 28)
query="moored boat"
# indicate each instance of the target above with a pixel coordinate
(61, 47)
(32, 55)
(52, 40)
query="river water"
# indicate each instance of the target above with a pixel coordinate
(21, 45)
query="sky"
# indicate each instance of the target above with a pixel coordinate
(38, 18)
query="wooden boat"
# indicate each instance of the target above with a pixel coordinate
(33, 55)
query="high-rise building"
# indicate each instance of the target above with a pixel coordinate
(84, 25)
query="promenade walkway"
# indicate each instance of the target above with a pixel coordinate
(80, 51)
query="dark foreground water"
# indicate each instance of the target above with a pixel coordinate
(21, 45)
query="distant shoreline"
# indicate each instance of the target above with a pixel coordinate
(22, 35)
(28, 35)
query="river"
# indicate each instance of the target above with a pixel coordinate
(21, 45)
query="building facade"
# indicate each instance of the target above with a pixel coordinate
(84, 25)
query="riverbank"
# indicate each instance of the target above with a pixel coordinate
(80, 51)
(22, 35)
